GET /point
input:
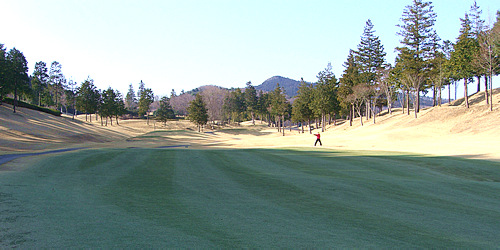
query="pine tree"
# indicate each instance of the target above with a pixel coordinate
(39, 81)
(251, 100)
(350, 78)
(57, 80)
(234, 105)
(279, 106)
(108, 105)
(488, 57)
(418, 38)
(130, 98)
(165, 111)
(301, 110)
(370, 58)
(198, 112)
(142, 87)
(17, 74)
(3, 72)
(463, 55)
(325, 95)
(477, 28)
(145, 101)
(87, 98)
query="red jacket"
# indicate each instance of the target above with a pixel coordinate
(317, 135)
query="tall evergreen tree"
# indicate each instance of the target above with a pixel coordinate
(325, 95)
(279, 107)
(142, 87)
(70, 94)
(130, 98)
(145, 101)
(57, 80)
(477, 28)
(165, 111)
(119, 106)
(17, 74)
(350, 78)
(370, 58)
(488, 57)
(39, 81)
(418, 37)
(463, 55)
(3, 72)
(108, 106)
(263, 104)
(251, 100)
(198, 111)
(234, 105)
(301, 110)
(88, 98)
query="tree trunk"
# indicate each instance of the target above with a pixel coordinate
(367, 110)
(408, 102)
(456, 86)
(351, 116)
(283, 119)
(404, 102)
(323, 119)
(279, 123)
(466, 96)
(491, 93)
(15, 97)
(417, 103)
(439, 97)
(478, 83)
(417, 99)
(433, 95)
(449, 93)
(486, 90)
(360, 117)
(374, 110)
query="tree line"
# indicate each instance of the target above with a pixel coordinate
(424, 63)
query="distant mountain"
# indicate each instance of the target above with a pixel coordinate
(291, 86)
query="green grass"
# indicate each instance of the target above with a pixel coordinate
(267, 198)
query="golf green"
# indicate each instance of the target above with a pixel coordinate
(250, 198)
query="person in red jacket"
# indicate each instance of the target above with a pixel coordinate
(318, 136)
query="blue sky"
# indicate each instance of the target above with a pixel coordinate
(186, 44)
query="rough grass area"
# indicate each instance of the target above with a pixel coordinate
(152, 198)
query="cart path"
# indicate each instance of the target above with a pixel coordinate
(10, 157)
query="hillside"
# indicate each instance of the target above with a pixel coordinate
(449, 130)
(291, 86)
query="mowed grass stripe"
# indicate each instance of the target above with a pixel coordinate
(250, 198)
(343, 216)
(391, 193)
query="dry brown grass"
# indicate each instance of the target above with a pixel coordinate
(450, 129)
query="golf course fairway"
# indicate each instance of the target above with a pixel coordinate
(249, 198)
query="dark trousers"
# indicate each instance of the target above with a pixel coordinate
(318, 140)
